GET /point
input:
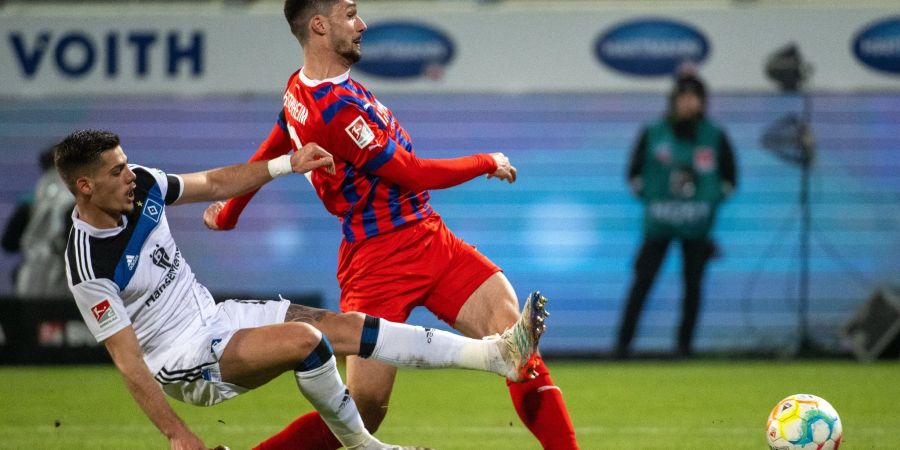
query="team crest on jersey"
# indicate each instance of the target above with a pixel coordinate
(104, 313)
(360, 132)
(153, 210)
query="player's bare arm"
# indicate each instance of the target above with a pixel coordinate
(126, 353)
(226, 182)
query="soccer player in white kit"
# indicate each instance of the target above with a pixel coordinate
(163, 329)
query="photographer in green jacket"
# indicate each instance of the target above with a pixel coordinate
(682, 168)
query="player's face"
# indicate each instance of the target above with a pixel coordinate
(347, 28)
(112, 184)
(688, 105)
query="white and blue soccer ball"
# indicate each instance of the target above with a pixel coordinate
(804, 422)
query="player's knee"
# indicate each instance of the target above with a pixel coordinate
(343, 331)
(352, 319)
(303, 338)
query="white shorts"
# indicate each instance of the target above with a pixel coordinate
(191, 373)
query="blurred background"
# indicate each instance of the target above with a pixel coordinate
(563, 88)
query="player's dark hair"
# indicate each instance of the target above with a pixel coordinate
(80, 153)
(298, 13)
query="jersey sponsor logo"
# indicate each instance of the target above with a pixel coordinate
(131, 260)
(679, 212)
(161, 259)
(878, 45)
(103, 313)
(296, 109)
(360, 132)
(153, 210)
(405, 50)
(651, 47)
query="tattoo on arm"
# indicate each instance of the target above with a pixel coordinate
(306, 314)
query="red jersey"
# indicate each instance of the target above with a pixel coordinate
(379, 183)
(347, 120)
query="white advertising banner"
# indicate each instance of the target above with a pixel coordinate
(439, 47)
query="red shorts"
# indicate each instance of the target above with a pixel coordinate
(423, 264)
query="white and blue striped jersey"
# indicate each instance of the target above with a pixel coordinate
(134, 273)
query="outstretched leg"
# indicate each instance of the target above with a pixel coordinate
(539, 403)
(374, 347)
(254, 356)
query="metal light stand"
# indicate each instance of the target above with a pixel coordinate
(791, 138)
(805, 346)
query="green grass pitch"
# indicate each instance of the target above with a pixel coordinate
(637, 405)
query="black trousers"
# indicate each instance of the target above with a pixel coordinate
(694, 254)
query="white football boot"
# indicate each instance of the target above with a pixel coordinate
(519, 343)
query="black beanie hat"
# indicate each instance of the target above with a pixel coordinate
(689, 83)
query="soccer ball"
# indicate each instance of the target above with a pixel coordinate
(804, 422)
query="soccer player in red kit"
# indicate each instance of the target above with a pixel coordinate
(396, 253)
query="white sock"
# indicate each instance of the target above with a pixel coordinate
(404, 345)
(323, 388)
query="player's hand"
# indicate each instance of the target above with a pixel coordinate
(186, 441)
(311, 157)
(209, 216)
(505, 170)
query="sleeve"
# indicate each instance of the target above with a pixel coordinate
(638, 152)
(727, 165)
(359, 137)
(636, 164)
(175, 188)
(276, 144)
(101, 307)
(170, 186)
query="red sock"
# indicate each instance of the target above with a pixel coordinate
(308, 432)
(542, 409)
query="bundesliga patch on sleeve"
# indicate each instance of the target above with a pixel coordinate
(360, 132)
(104, 313)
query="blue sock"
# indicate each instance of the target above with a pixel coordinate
(316, 358)
(369, 336)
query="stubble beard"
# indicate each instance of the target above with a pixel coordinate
(352, 55)
(349, 52)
